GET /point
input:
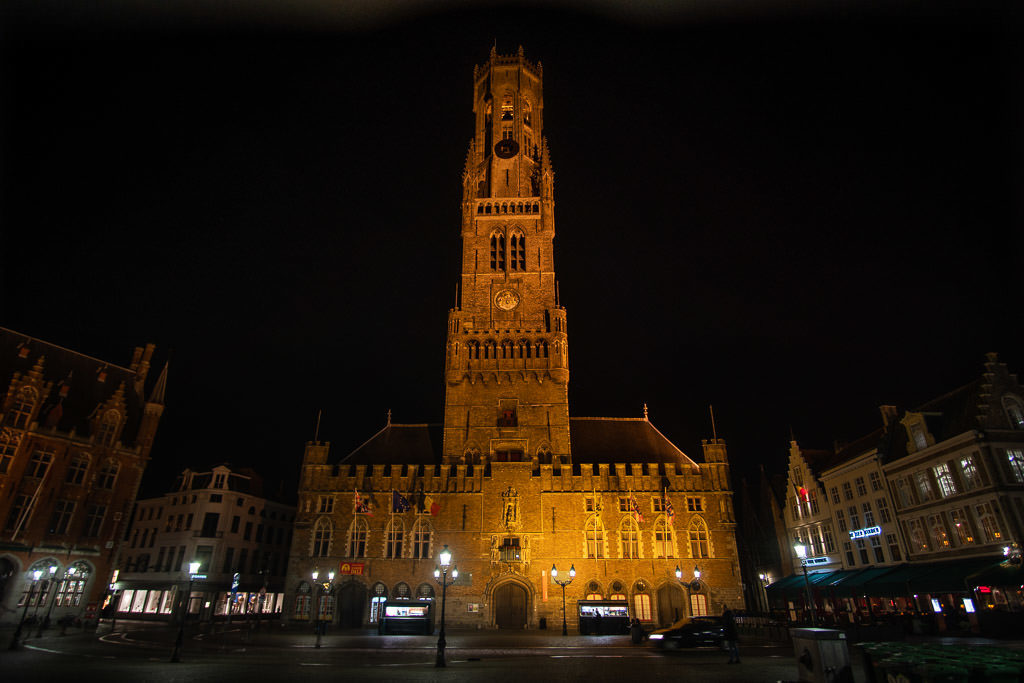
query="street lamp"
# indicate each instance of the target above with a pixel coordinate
(193, 569)
(563, 584)
(694, 585)
(441, 576)
(321, 587)
(801, 552)
(49, 596)
(28, 599)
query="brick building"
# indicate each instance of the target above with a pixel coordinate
(75, 437)
(509, 481)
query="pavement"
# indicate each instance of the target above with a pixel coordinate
(134, 651)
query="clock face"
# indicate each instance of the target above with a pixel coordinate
(506, 299)
(506, 148)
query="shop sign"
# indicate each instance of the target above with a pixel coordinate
(352, 568)
(815, 561)
(866, 531)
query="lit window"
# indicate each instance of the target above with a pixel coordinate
(595, 538)
(971, 475)
(629, 538)
(939, 534)
(642, 606)
(961, 527)
(1015, 458)
(988, 523)
(698, 605)
(918, 540)
(699, 544)
(945, 480)
(924, 486)
(1014, 412)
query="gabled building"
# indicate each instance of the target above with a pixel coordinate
(924, 508)
(75, 436)
(221, 519)
(508, 481)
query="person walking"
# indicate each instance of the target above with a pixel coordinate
(732, 636)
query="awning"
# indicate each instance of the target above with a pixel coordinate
(857, 582)
(795, 584)
(952, 577)
(1002, 575)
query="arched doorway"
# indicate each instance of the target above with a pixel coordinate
(671, 604)
(510, 606)
(351, 605)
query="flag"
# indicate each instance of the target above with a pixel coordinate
(634, 508)
(670, 511)
(399, 503)
(430, 506)
(362, 504)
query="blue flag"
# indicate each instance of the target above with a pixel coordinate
(399, 503)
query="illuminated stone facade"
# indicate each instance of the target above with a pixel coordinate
(509, 481)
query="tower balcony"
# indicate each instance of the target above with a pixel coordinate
(507, 206)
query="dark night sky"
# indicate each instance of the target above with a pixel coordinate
(793, 215)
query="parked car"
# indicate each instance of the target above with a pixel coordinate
(689, 632)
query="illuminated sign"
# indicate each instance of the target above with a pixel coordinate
(350, 568)
(868, 531)
(815, 561)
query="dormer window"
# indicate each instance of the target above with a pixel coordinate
(1014, 412)
(917, 431)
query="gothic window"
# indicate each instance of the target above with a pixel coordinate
(544, 455)
(471, 456)
(7, 449)
(108, 475)
(664, 544)
(507, 418)
(425, 592)
(497, 252)
(71, 589)
(302, 601)
(322, 538)
(76, 469)
(595, 537)
(378, 596)
(629, 538)
(21, 409)
(421, 537)
(106, 430)
(395, 537)
(39, 464)
(527, 111)
(357, 535)
(699, 543)
(517, 251)
(641, 602)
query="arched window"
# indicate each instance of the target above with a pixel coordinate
(322, 538)
(595, 537)
(544, 455)
(594, 591)
(106, 430)
(425, 592)
(77, 468)
(72, 586)
(629, 538)
(357, 535)
(497, 252)
(698, 532)
(402, 591)
(664, 543)
(107, 476)
(517, 251)
(1014, 412)
(395, 537)
(378, 596)
(42, 590)
(527, 111)
(21, 408)
(422, 534)
(641, 601)
(302, 601)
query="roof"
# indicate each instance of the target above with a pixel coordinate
(81, 383)
(621, 439)
(593, 439)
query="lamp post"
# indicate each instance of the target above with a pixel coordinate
(765, 579)
(694, 585)
(801, 552)
(563, 584)
(321, 587)
(193, 569)
(444, 559)
(28, 599)
(50, 597)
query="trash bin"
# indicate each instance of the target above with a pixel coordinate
(821, 655)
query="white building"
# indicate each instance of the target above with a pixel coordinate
(219, 519)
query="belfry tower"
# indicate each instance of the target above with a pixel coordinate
(507, 360)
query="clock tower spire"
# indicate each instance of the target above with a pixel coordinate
(507, 356)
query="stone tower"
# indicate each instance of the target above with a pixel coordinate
(507, 356)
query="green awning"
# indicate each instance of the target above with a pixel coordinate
(1002, 575)
(857, 583)
(951, 577)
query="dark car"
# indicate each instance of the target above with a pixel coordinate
(690, 632)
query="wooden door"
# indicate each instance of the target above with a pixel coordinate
(670, 605)
(510, 606)
(351, 605)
